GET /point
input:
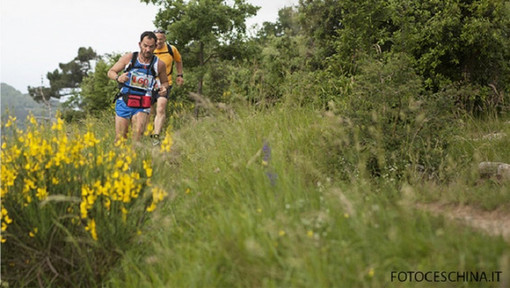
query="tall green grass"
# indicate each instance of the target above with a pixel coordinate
(478, 140)
(254, 203)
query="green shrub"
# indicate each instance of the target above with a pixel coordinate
(397, 124)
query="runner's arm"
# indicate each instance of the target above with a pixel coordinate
(179, 79)
(163, 78)
(113, 73)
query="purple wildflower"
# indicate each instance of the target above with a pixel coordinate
(267, 152)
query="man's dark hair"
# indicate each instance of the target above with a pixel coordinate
(149, 34)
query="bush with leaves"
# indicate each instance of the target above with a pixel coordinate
(398, 124)
(451, 43)
(98, 91)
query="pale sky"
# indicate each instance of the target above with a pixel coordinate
(37, 35)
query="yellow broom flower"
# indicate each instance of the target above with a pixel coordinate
(91, 227)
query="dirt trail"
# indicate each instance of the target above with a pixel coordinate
(494, 223)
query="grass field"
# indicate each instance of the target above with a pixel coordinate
(254, 203)
(253, 197)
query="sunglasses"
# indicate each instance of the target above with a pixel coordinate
(159, 31)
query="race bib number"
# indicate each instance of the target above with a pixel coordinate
(139, 79)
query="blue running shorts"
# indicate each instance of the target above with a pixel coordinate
(124, 111)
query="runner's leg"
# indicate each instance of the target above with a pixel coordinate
(160, 115)
(139, 120)
(121, 127)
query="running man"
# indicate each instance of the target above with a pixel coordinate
(168, 54)
(138, 81)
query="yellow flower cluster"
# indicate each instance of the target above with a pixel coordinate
(158, 195)
(166, 144)
(91, 227)
(4, 217)
(38, 163)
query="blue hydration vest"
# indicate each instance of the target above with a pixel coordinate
(142, 77)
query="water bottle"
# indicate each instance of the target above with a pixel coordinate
(146, 100)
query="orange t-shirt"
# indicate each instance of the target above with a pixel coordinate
(166, 57)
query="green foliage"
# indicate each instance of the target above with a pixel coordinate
(455, 41)
(202, 28)
(321, 21)
(475, 99)
(394, 119)
(366, 30)
(450, 42)
(481, 140)
(273, 73)
(97, 90)
(317, 88)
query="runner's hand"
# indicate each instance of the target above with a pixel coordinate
(179, 81)
(123, 78)
(162, 91)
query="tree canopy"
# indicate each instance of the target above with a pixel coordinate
(69, 75)
(450, 40)
(205, 29)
